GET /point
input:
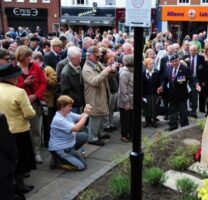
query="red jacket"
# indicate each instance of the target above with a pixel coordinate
(39, 84)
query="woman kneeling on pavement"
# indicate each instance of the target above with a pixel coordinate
(65, 134)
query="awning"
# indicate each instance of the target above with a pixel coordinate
(88, 20)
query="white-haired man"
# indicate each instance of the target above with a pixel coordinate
(71, 80)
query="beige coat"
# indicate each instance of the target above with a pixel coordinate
(96, 89)
(51, 86)
(15, 104)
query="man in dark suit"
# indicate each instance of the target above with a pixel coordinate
(8, 157)
(176, 77)
(196, 64)
(71, 82)
(165, 62)
(53, 56)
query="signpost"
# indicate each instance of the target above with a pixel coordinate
(138, 15)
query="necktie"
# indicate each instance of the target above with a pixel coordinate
(192, 65)
(174, 74)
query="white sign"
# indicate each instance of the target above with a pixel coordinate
(138, 13)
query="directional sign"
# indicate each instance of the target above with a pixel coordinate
(138, 13)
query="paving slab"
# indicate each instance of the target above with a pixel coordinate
(55, 190)
(110, 151)
(173, 176)
(40, 179)
(191, 142)
(92, 166)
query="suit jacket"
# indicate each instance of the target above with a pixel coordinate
(51, 59)
(177, 89)
(72, 85)
(150, 84)
(163, 65)
(200, 62)
(8, 149)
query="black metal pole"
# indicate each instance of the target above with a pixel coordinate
(136, 156)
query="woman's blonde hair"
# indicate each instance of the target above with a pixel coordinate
(147, 61)
(64, 100)
(22, 52)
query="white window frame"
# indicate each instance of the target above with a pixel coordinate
(20, 0)
(46, 1)
(7, 0)
(33, 1)
(204, 3)
(111, 4)
(184, 3)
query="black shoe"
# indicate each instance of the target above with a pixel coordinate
(106, 136)
(157, 120)
(154, 124)
(25, 188)
(145, 125)
(113, 128)
(171, 128)
(53, 162)
(26, 175)
(108, 129)
(193, 114)
(97, 143)
(166, 118)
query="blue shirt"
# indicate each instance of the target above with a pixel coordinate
(61, 136)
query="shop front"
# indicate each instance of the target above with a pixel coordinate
(27, 17)
(104, 18)
(184, 20)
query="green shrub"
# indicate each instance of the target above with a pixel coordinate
(154, 176)
(90, 194)
(179, 162)
(201, 123)
(119, 185)
(162, 140)
(148, 159)
(187, 188)
(192, 149)
(147, 144)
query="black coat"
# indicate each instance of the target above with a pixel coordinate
(177, 90)
(8, 149)
(51, 59)
(72, 85)
(151, 84)
(199, 67)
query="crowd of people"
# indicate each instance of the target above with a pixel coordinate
(66, 88)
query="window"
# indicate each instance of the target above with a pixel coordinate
(46, 1)
(110, 2)
(204, 1)
(7, 0)
(20, 0)
(183, 2)
(80, 1)
(33, 1)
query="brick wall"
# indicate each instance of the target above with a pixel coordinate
(53, 10)
(174, 2)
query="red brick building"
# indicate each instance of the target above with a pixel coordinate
(30, 13)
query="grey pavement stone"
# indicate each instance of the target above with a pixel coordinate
(191, 142)
(92, 166)
(173, 176)
(110, 151)
(199, 168)
(55, 190)
(40, 179)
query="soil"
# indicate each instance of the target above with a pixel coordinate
(152, 192)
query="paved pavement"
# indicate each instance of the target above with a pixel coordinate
(58, 184)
